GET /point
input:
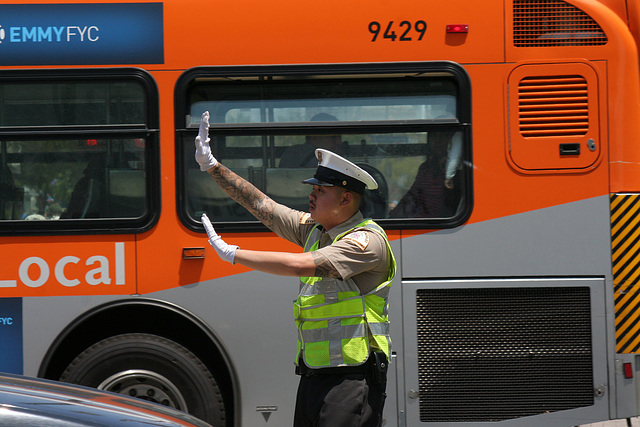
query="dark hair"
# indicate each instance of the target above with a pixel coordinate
(324, 117)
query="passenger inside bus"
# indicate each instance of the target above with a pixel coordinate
(434, 193)
(303, 155)
(10, 195)
(87, 197)
(111, 185)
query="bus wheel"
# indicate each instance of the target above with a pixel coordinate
(151, 368)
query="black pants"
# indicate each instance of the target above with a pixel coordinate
(336, 400)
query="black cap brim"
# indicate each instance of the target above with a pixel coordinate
(327, 177)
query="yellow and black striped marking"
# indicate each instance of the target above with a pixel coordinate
(625, 253)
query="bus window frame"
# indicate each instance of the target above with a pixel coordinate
(148, 130)
(461, 123)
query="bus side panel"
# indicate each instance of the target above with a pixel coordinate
(564, 248)
(500, 190)
(359, 31)
(41, 332)
(566, 240)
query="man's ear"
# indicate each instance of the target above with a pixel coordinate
(347, 198)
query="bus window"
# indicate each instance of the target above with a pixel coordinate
(71, 179)
(408, 131)
(75, 148)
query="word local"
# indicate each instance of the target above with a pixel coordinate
(100, 273)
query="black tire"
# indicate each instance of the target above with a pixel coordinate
(151, 368)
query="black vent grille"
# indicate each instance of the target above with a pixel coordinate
(552, 106)
(541, 23)
(494, 354)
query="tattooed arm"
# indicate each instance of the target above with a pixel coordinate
(242, 191)
(236, 187)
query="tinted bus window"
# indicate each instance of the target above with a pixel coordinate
(46, 103)
(75, 149)
(406, 131)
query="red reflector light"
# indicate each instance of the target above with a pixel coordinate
(92, 142)
(459, 28)
(628, 370)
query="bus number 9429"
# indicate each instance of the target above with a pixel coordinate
(406, 29)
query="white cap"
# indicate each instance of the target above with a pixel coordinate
(336, 170)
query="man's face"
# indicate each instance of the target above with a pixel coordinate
(324, 204)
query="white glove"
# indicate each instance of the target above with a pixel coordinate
(203, 151)
(225, 252)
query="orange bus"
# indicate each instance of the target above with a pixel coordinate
(504, 137)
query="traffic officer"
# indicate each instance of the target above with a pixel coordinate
(345, 273)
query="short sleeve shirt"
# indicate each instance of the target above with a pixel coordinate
(361, 254)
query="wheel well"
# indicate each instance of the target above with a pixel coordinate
(143, 316)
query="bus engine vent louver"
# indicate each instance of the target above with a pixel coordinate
(553, 106)
(542, 23)
(494, 354)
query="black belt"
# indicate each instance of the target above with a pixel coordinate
(305, 371)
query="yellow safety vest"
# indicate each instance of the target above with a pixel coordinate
(334, 321)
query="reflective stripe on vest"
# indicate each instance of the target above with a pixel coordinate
(335, 322)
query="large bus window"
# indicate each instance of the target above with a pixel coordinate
(411, 133)
(73, 150)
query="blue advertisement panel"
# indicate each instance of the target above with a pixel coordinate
(11, 335)
(81, 34)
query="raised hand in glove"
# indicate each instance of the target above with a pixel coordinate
(225, 251)
(203, 151)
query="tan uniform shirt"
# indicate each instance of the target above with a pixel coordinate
(361, 254)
